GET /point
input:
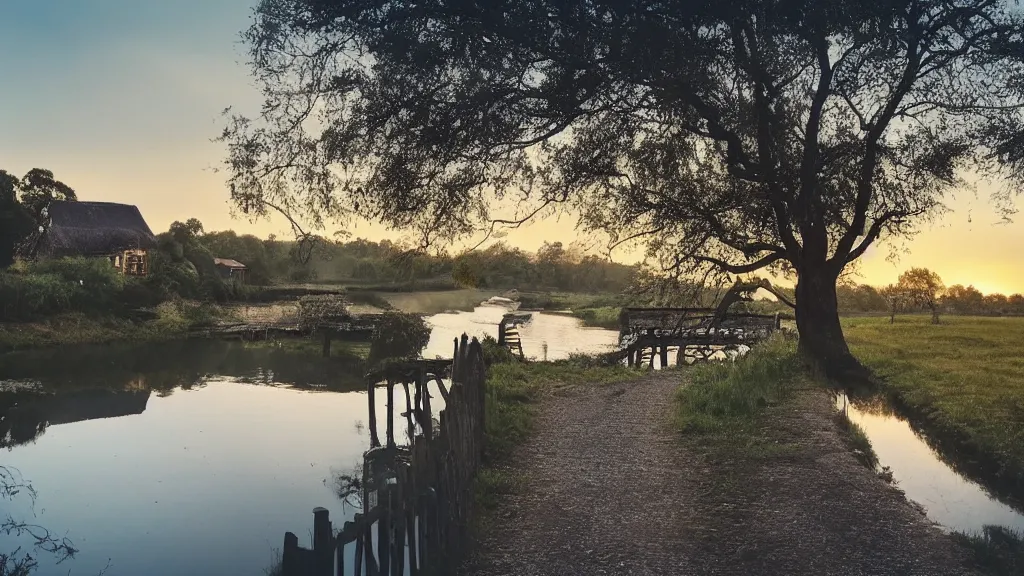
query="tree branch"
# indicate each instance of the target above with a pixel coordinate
(741, 268)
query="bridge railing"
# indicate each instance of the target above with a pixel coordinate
(698, 333)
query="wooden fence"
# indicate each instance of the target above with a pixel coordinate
(417, 499)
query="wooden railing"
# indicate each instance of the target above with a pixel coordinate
(417, 499)
(698, 333)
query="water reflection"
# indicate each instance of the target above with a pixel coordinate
(25, 415)
(561, 335)
(168, 365)
(949, 498)
(193, 457)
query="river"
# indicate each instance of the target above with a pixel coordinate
(195, 457)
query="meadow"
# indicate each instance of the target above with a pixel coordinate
(961, 382)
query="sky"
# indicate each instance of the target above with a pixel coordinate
(121, 100)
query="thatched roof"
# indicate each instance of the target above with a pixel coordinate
(229, 263)
(93, 228)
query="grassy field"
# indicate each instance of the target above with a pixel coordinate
(961, 380)
(438, 301)
(595, 310)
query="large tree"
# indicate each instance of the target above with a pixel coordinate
(923, 288)
(39, 188)
(15, 219)
(787, 135)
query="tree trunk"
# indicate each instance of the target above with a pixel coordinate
(817, 319)
(935, 314)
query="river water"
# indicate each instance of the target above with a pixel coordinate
(196, 457)
(950, 499)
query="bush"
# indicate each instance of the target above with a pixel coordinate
(495, 353)
(29, 296)
(55, 286)
(96, 284)
(398, 336)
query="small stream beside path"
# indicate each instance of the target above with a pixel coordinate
(949, 499)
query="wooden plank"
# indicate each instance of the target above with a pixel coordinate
(444, 391)
(391, 414)
(374, 438)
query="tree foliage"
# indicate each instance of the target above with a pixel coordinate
(924, 288)
(39, 188)
(895, 300)
(15, 219)
(398, 336)
(729, 136)
(22, 205)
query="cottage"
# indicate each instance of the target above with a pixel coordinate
(231, 269)
(116, 231)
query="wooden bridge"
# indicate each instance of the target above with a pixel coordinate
(417, 498)
(697, 333)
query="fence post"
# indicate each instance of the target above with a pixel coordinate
(323, 550)
(374, 438)
(391, 414)
(290, 555)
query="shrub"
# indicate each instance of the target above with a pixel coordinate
(96, 284)
(495, 353)
(56, 286)
(29, 296)
(398, 336)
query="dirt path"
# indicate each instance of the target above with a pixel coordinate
(612, 489)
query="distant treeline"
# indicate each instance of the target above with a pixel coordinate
(182, 267)
(553, 267)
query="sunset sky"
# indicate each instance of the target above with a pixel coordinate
(120, 98)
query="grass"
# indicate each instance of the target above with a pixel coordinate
(601, 317)
(962, 381)
(723, 407)
(997, 550)
(437, 301)
(595, 310)
(173, 320)
(725, 400)
(513, 390)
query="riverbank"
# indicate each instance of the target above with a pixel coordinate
(961, 383)
(594, 310)
(169, 321)
(648, 477)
